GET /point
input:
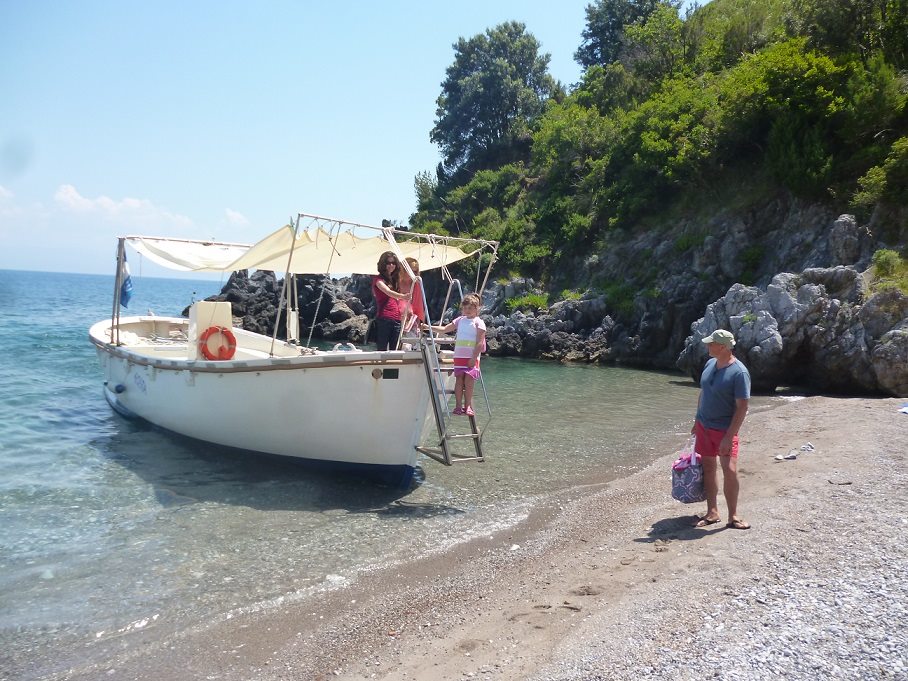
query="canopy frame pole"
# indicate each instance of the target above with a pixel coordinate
(280, 304)
(115, 312)
(492, 261)
(321, 294)
(446, 275)
(293, 298)
(387, 231)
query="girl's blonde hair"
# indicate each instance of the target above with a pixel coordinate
(471, 299)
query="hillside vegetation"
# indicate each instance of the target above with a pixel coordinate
(728, 105)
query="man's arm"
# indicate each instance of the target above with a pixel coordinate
(694, 427)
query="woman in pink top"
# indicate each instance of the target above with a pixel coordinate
(388, 302)
(470, 341)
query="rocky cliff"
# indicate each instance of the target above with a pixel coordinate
(647, 299)
(817, 328)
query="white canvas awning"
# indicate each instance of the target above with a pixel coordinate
(186, 255)
(320, 252)
(315, 251)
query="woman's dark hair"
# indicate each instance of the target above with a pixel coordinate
(392, 279)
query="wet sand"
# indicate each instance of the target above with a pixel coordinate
(601, 580)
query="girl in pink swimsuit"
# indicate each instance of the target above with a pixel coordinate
(470, 341)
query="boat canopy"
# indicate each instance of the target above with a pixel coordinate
(317, 250)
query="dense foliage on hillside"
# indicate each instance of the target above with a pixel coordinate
(808, 96)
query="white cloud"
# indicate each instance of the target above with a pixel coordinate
(234, 217)
(8, 208)
(135, 210)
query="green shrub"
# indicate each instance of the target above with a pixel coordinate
(797, 154)
(872, 185)
(885, 262)
(568, 294)
(530, 301)
(688, 241)
(620, 295)
(751, 259)
(752, 256)
(890, 270)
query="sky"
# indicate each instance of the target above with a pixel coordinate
(221, 120)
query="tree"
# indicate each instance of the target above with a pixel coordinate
(424, 184)
(496, 87)
(894, 32)
(603, 36)
(656, 44)
(719, 34)
(855, 26)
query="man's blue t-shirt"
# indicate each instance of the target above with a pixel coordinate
(719, 390)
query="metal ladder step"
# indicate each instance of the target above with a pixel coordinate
(455, 458)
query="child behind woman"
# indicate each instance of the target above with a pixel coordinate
(414, 312)
(470, 340)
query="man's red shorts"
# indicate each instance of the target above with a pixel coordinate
(708, 440)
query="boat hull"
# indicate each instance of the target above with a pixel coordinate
(358, 411)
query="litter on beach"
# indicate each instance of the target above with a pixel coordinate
(793, 454)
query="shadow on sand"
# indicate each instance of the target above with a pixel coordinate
(679, 528)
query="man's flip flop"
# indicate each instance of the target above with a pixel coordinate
(705, 522)
(738, 525)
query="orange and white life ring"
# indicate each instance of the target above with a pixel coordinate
(225, 351)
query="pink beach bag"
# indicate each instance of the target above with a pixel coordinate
(687, 475)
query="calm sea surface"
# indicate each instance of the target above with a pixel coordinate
(110, 527)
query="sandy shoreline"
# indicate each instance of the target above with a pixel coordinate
(609, 580)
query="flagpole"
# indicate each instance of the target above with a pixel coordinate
(115, 313)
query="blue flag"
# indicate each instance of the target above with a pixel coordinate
(126, 285)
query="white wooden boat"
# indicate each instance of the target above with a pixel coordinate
(348, 408)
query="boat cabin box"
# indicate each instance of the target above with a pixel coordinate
(202, 315)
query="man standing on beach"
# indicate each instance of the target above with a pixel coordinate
(724, 392)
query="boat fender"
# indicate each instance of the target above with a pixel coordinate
(119, 388)
(345, 347)
(225, 351)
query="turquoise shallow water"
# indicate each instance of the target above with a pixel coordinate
(111, 528)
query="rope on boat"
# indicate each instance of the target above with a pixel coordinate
(321, 294)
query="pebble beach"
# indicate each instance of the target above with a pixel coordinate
(609, 581)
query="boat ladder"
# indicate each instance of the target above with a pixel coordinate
(439, 368)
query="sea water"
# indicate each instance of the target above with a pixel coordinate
(110, 527)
